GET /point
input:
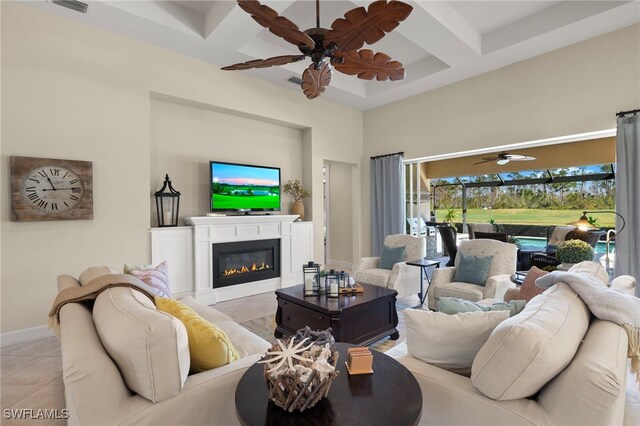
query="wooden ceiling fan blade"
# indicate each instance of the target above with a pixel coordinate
(315, 81)
(360, 26)
(367, 65)
(264, 63)
(278, 25)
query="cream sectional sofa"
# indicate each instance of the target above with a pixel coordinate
(551, 364)
(96, 392)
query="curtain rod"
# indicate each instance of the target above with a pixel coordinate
(386, 155)
(631, 111)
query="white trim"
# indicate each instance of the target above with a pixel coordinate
(530, 144)
(25, 335)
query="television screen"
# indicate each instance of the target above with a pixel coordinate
(243, 187)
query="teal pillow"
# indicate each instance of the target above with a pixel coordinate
(453, 305)
(473, 269)
(390, 256)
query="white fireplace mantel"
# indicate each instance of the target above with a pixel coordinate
(188, 251)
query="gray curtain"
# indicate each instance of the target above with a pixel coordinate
(387, 199)
(628, 197)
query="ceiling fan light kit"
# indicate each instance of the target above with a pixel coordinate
(340, 46)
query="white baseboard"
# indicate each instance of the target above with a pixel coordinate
(340, 265)
(25, 335)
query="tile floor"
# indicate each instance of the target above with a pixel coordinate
(31, 373)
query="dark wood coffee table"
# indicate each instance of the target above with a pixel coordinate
(360, 319)
(389, 396)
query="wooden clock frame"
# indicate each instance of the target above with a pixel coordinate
(23, 209)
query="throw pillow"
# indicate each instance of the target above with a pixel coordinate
(472, 269)
(390, 256)
(453, 305)
(592, 269)
(157, 278)
(449, 341)
(528, 289)
(209, 346)
(149, 347)
(526, 351)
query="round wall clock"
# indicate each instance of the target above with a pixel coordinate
(50, 189)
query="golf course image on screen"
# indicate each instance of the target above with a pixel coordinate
(244, 187)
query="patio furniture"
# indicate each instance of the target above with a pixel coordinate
(542, 260)
(475, 228)
(499, 236)
(449, 236)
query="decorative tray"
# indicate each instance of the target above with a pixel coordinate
(357, 288)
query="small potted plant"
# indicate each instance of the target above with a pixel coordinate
(294, 188)
(573, 251)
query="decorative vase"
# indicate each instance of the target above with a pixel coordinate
(298, 208)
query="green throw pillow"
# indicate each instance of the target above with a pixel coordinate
(473, 269)
(390, 256)
(453, 305)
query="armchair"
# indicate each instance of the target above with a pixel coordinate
(498, 281)
(403, 278)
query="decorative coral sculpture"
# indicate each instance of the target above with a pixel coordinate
(299, 375)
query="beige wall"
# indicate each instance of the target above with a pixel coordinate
(184, 138)
(572, 90)
(77, 92)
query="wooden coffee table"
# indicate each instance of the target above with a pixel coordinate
(389, 396)
(360, 319)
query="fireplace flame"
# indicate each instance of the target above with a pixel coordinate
(245, 269)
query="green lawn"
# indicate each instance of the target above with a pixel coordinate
(246, 201)
(527, 216)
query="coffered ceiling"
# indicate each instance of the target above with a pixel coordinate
(440, 43)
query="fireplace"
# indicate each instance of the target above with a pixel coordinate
(245, 261)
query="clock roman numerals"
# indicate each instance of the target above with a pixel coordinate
(50, 189)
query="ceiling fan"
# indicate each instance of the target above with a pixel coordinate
(339, 46)
(504, 157)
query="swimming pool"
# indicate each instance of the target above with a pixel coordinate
(540, 243)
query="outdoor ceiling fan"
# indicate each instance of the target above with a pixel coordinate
(504, 157)
(339, 46)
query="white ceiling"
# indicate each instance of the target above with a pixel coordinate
(440, 43)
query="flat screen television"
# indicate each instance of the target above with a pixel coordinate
(244, 187)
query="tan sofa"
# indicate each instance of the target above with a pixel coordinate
(587, 387)
(96, 393)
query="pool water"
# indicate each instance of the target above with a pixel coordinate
(535, 242)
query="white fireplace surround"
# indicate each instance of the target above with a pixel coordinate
(188, 252)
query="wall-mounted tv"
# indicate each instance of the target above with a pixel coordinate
(244, 187)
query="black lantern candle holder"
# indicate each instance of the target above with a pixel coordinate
(167, 204)
(311, 278)
(332, 284)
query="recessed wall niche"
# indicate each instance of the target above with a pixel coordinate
(185, 137)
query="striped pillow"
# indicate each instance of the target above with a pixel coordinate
(528, 289)
(157, 278)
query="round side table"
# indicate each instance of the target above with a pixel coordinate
(389, 396)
